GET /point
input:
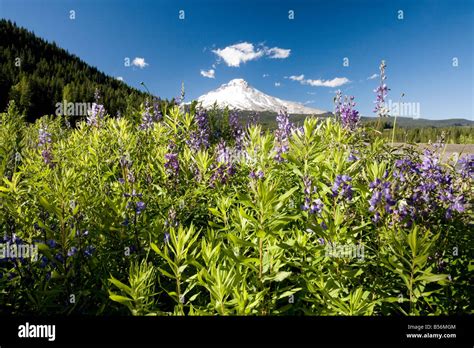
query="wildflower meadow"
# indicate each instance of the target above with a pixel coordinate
(177, 210)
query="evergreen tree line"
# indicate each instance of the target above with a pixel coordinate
(451, 135)
(37, 75)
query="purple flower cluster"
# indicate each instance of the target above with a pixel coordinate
(466, 166)
(200, 137)
(224, 167)
(236, 130)
(97, 112)
(179, 99)
(90, 249)
(156, 110)
(338, 103)
(253, 119)
(147, 117)
(172, 162)
(126, 165)
(140, 206)
(353, 156)
(349, 116)
(342, 187)
(44, 143)
(427, 187)
(311, 204)
(260, 175)
(381, 92)
(282, 134)
(382, 196)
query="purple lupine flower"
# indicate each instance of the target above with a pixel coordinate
(353, 156)
(44, 143)
(381, 91)
(44, 262)
(236, 130)
(97, 111)
(253, 119)
(224, 167)
(382, 196)
(51, 243)
(172, 164)
(342, 187)
(140, 206)
(338, 103)
(166, 238)
(466, 166)
(130, 177)
(257, 175)
(147, 117)
(349, 116)
(156, 110)
(125, 162)
(179, 99)
(44, 137)
(282, 134)
(455, 203)
(47, 157)
(89, 250)
(59, 257)
(200, 137)
(311, 204)
(72, 251)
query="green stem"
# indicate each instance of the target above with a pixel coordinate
(261, 258)
(393, 131)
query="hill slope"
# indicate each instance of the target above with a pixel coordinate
(38, 74)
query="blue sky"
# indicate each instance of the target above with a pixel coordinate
(418, 49)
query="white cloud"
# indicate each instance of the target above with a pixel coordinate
(120, 78)
(311, 93)
(335, 82)
(265, 75)
(277, 84)
(297, 78)
(209, 73)
(236, 54)
(309, 102)
(139, 62)
(374, 76)
(280, 53)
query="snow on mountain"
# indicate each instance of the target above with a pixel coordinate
(238, 94)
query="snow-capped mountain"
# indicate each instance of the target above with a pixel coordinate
(238, 94)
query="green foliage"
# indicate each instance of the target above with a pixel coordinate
(132, 235)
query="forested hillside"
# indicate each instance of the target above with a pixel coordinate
(38, 74)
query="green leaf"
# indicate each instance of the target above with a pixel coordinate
(120, 299)
(120, 285)
(430, 278)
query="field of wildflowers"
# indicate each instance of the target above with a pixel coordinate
(173, 211)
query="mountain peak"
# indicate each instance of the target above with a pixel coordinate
(237, 82)
(238, 94)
